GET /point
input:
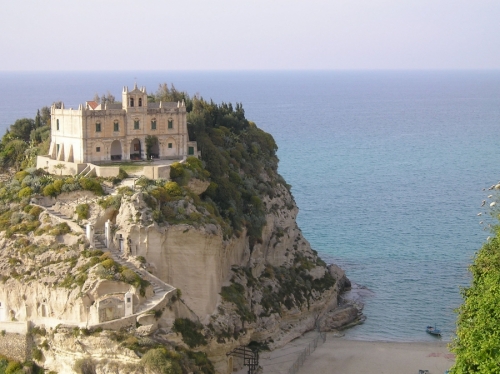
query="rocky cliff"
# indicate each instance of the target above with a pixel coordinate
(222, 231)
(270, 293)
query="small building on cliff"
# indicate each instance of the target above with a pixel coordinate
(109, 132)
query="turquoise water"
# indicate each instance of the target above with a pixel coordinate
(387, 169)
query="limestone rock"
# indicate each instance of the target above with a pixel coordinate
(341, 318)
(198, 186)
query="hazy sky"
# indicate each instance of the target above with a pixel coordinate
(244, 34)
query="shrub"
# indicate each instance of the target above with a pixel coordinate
(235, 293)
(82, 211)
(176, 171)
(201, 360)
(108, 264)
(111, 201)
(122, 174)
(49, 190)
(190, 332)
(58, 183)
(173, 189)
(13, 367)
(20, 175)
(158, 361)
(129, 276)
(35, 211)
(25, 192)
(39, 331)
(91, 185)
(37, 354)
(60, 229)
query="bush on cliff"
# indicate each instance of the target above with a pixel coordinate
(478, 325)
(160, 361)
(238, 158)
(190, 332)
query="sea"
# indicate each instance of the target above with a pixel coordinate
(389, 170)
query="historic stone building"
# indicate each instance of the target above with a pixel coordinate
(118, 131)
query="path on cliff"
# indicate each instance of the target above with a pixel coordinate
(160, 288)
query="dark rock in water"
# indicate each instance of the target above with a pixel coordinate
(341, 318)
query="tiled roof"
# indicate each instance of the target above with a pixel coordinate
(92, 104)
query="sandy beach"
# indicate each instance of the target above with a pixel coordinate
(342, 356)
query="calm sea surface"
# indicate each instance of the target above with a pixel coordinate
(387, 169)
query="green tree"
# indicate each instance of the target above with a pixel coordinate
(12, 154)
(21, 129)
(38, 120)
(151, 141)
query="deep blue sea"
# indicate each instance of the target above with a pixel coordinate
(387, 168)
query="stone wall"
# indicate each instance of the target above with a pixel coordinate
(107, 171)
(157, 172)
(70, 168)
(15, 343)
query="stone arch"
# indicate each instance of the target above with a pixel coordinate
(135, 149)
(116, 150)
(170, 148)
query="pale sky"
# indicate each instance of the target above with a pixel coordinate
(249, 35)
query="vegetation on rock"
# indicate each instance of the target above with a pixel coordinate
(190, 331)
(478, 327)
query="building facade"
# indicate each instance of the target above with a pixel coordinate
(118, 131)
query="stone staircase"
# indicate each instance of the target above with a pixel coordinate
(57, 214)
(62, 218)
(160, 288)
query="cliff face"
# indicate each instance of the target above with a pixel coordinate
(270, 293)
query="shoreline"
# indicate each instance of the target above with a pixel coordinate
(340, 355)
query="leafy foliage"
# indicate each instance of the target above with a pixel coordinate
(478, 327)
(235, 293)
(82, 210)
(239, 158)
(25, 139)
(159, 360)
(190, 332)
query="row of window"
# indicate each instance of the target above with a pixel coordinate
(116, 125)
(98, 149)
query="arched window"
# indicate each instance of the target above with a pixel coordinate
(98, 127)
(116, 126)
(131, 101)
(153, 124)
(140, 102)
(136, 124)
(170, 123)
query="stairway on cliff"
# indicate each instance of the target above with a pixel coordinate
(160, 288)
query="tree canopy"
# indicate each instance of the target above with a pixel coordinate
(25, 139)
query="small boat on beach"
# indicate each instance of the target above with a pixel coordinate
(433, 330)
